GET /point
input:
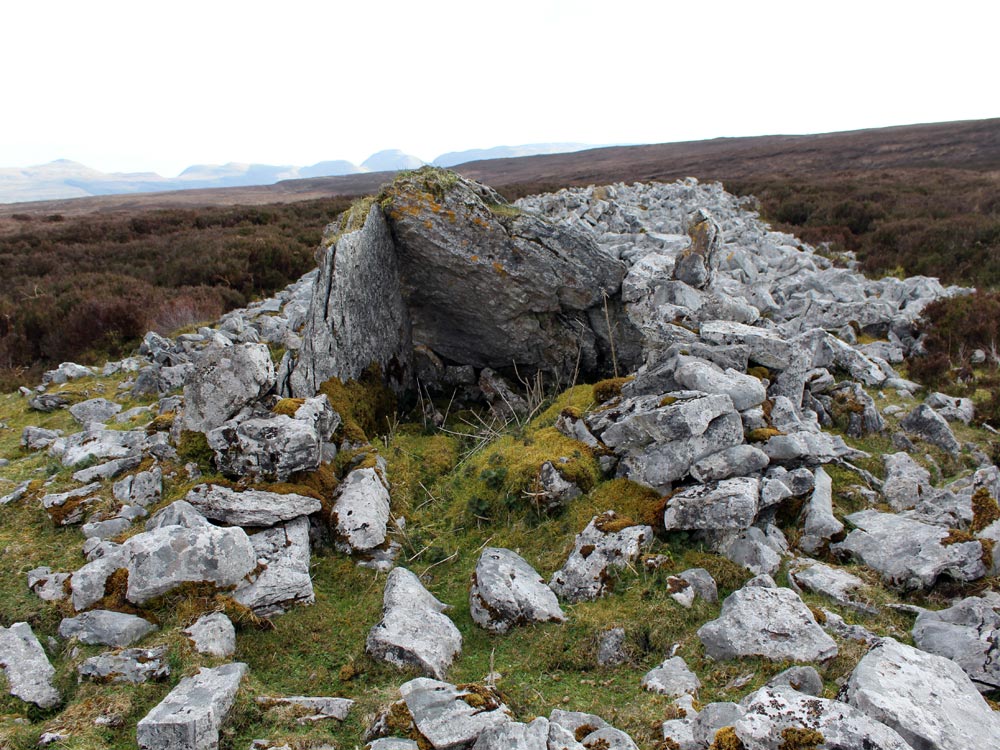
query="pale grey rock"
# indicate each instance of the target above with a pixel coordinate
(190, 717)
(672, 679)
(952, 408)
(66, 508)
(18, 492)
(48, 586)
(750, 548)
(107, 529)
(281, 578)
(249, 507)
(712, 718)
(507, 592)
(388, 743)
(703, 583)
(213, 635)
(35, 438)
(94, 410)
(805, 447)
(968, 633)
(162, 559)
(571, 721)
(48, 402)
(317, 412)
(584, 575)
(697, 375)
(771, 710)
(95, 444)
(737, 461)
(575, 428)
(271, 448)
(361, 510)
(927, 424)
(611, 651)
(446, 720)
(728, 504)
(106, 628)
(926, 698)
(909, 554)
(87, 583)
(863, 417)
(515, 736)
(414, 631)
(609, 738)
(818, 578)
(639, 421)
(818, 524)
(356, 316)
(697, 263)
(768, 622)
(66, 372)
(26, 667)
(801, 679)
(133, 665)
(767, 347)
(838, 626)
(178, 513)
(108, 469)
(554, 491)
(906, 481)
(223, 382)
(316, 708)
(143, 488)
(134, 413)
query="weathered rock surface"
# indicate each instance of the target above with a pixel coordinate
(927, 424)
(444, 718)
(26, 667)
(768, 622)
(143, 488)
(952, 408)
(819, 525)
(190, 717)
(672, 679)
(357, 316)
(507, 592)
(94, 410)
(968, 633)
(801, 679)
(818, 578)
(281, 578)
(249, 507)
(105, 628)
(313, 708)
(927, 699)
(414, 631)
(738, 461)
(133, 665)
(48, 586)
(271, 448)
(223, 382)
(597, 549)
(515, 736)
(66, 508)
(906, 481)
(728, 504)
(213, 635)
(360, 514)
(745, 391)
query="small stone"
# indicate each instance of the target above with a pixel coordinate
(672, 679)
(213, 635)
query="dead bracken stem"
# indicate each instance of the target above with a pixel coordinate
(450, 557)
(611, 335)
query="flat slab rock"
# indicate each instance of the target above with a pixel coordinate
(450, 717)
(968, 633)
(926, 698)
(28, 670)
(770, 622)
(820, 578)
(414, 631)
(133, 665)
(909, 554)
(249, 507)
(601, 546)
(190, 717)
(105, 628)
(506, 592)
(313, 708)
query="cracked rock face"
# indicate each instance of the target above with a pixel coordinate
(447, 716)
(360, 515)
(281, 578)
(507, 592)
(250, 507)
(272, 448)
(223, 382)
(968, 633)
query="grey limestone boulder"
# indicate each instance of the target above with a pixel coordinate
(224, 381)
(360, 515)
(711, 719)
(769, 622)
(271, 448)
(767, 347)
(819, 578)
(106, 628)
(601, 547)
(441, 714)
(213, 635)
(554, 490)
(752, 549)
(909, 554)
(281, 578)
(133, 665)
(35, 438)
(697, 263)
(906, 481)
(952, 408)
(507, 592)
(737, 461)
(926, 424)
(771, 711)
(818, 523)
(801, 679)
(968, 633)
(414, 631)
(745, 391)
(143, 488)
(612, 651)
(249, 507)
(727, 504)
(94, 410)
(515, 736)
(927, 699)
(191, 715)
(66, 508)
(26, 667)
(672, 679)
(357, 316)
(48, 586)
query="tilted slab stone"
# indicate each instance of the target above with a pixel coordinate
(728, 504)
(823, 579)
(249, 507)
(737, 461)
(282, 577)
(143, 488)
(441, 714)
(600, 547)
(66, 508)
(968, 633)
(515, 736)
(771, 711)
(769, 622)
(767, 348)
(48, 586)
(105, 628)
(360, 514)
(507, 592)
(271, 448)
(223, 382)
(28, 670)
(642, 420)
(414, 631)
(906, 481)
(928, 699)
(133, 665)
(927, 424)
(909, 554)
(818, 523)
(190, 717)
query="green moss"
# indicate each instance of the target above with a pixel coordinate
(365, 405)
(800, 738)
(573, 402)
(606, 390)
(763, 434)
(985, 509)
(193, 446)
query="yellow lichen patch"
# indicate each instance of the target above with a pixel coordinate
(605, 390)
(985, 509)
(726, 739)
(800, 738)
(957, 536)
(499, 269)
(161, 423)
(763, 434)
(668, 401)
(288, 406)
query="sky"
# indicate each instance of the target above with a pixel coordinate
(158, 86)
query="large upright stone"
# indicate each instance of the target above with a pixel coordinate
(356, 316)
(696, 264)
(223, 382)
(489, 285)
(27, 668)
(506, 592)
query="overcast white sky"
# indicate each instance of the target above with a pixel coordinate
(157, 86)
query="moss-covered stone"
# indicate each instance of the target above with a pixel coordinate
(605, 390)
(365, 405)
(985, 509)
(800, 738)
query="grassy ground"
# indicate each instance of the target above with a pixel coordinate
(457, 494)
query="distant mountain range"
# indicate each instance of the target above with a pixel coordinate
(69, 179)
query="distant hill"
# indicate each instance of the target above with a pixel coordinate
(506, 152)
